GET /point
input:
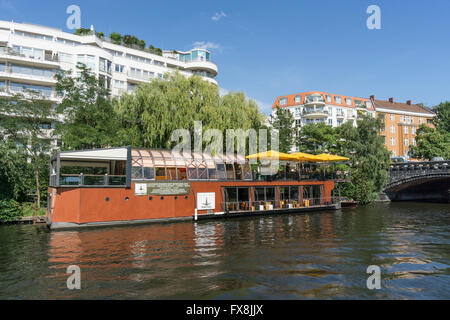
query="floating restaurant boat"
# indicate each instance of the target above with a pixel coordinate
(130, 185)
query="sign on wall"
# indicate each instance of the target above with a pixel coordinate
(206, 201)
(178, 188)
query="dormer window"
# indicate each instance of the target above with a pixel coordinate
(329, 100)
(348, 101)
(338, 99)
(282, 101)
(298, 99)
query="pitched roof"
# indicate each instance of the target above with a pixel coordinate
(291, 100)
(398, 106)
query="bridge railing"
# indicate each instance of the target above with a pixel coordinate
(399, 171)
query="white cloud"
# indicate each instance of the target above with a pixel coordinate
(218, 16)
(207, 45)
(7, 6)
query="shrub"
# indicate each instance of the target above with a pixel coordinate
(9, 210)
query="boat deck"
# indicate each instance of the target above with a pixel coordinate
(278, 211)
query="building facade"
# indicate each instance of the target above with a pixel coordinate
(401, 123)
(401, 119)
(321, 107)
(31, 55)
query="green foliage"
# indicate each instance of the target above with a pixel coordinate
(442, 121)
(368, 155)
(283, 123)
(82, 32)
(432, 142)
(90, 120)
(116, 38)
(9, 210)
(155, 110)
(16, 175)
(317, 138)
(22, 119)
(369, 158)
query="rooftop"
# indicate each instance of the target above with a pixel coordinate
(399, 106)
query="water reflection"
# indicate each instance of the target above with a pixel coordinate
(320, 255)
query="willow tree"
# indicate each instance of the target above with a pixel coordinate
(155, 110)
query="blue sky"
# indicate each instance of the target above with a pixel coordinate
(272, 48)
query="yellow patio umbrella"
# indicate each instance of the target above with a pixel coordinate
(306, 157)
(273, 155)
(331, 158)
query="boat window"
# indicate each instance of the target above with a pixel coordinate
(202, 172)
(221, 174)
(247, 171)
(160, 173)
(181, 174)
(171, 174)
(136, 173)
(192, 173)
(238, 171)
(230, 172)
(149, 173)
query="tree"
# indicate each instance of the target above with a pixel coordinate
(87, 109)
(442, 120)
(369, 158)
(283, 122)
(25, 120)
(116, 38)
(155, 110)
(317, 138)
(431, 143)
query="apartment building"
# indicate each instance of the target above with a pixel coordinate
(31, 55)
(401, 119)
(401, 123)
(321, 107)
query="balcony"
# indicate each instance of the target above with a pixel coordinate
(47, 60)
(340, 115)
(200, 64)
(315, 100)
(136, 77)
(7, 91)
(315, 113)
(29, 78)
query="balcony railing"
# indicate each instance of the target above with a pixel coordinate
(13, 53)
(81, 180)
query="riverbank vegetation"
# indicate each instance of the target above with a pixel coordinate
(434, 142)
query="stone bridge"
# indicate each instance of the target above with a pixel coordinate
(419, 181)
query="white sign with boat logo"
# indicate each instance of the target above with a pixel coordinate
(206, 201)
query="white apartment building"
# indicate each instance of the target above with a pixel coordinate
(321, 107)
(30, 55)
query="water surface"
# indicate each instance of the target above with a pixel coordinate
(313, 256)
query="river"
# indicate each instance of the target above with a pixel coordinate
(314, 256)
